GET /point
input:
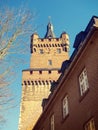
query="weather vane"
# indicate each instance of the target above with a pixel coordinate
(49, 17)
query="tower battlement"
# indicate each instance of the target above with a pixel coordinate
(62, 42)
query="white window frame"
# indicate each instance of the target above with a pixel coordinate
(90, 125)
(83, 82)
(52, 122)
(65, 106)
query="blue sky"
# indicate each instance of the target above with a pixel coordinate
(71, 16)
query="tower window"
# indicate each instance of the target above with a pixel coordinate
(32, 82)
(49, 71)
(25, 82)
(58, 71)
(42, 39)
(49, 62)
(47, 82)
(58, 50)
(28, 82)
(62, 45)
(31, 72)
(50, 82)
(39, 82)
(41, 51)
(50, 45)
(53, 45)
(65, 49)
(57, 39)
(41, 45)
(44, 45)
(47, 45)
(34, 49)
(38, 45)
(40, 72)
(43, 82)
(49, 38)
(36, 83)
(58, 45)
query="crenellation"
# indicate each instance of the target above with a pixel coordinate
(40, 82)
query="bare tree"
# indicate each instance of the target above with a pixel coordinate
(16, 26)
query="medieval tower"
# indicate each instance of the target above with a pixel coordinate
(47, 55)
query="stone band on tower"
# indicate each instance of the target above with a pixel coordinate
(47, 55)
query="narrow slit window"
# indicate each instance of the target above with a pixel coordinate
(49, 62)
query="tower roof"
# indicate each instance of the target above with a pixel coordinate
(49, 33)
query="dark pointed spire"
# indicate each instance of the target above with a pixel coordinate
(49, 33)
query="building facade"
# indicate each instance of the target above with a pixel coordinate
(73, 102)
(47, 55)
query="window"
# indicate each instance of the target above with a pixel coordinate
(42, 39)
(41, 51)
(40, 72)
(39, 82)
(90, 125)
(58, 45)
(32, 82)
(65, 106)
(58, 71)
(25, 83)
(34, 49)
(38, 45)
(43, 82)
(52, 122)
(49, 72)
(49, 62)
(55, 45)
(44, 45)
(57, 39)
(28, 82)
(36, 83)
(58, 50)
(47, 82)
(83, 82)
(31, 72)
(65, 47)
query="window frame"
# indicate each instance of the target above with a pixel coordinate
(52, 123)
(83, 82)
(65, 109)
(90, 124)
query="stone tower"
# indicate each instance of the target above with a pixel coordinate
(47, 55)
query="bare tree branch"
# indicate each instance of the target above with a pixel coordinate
(16, 26)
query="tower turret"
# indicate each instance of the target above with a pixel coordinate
(65, 41)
